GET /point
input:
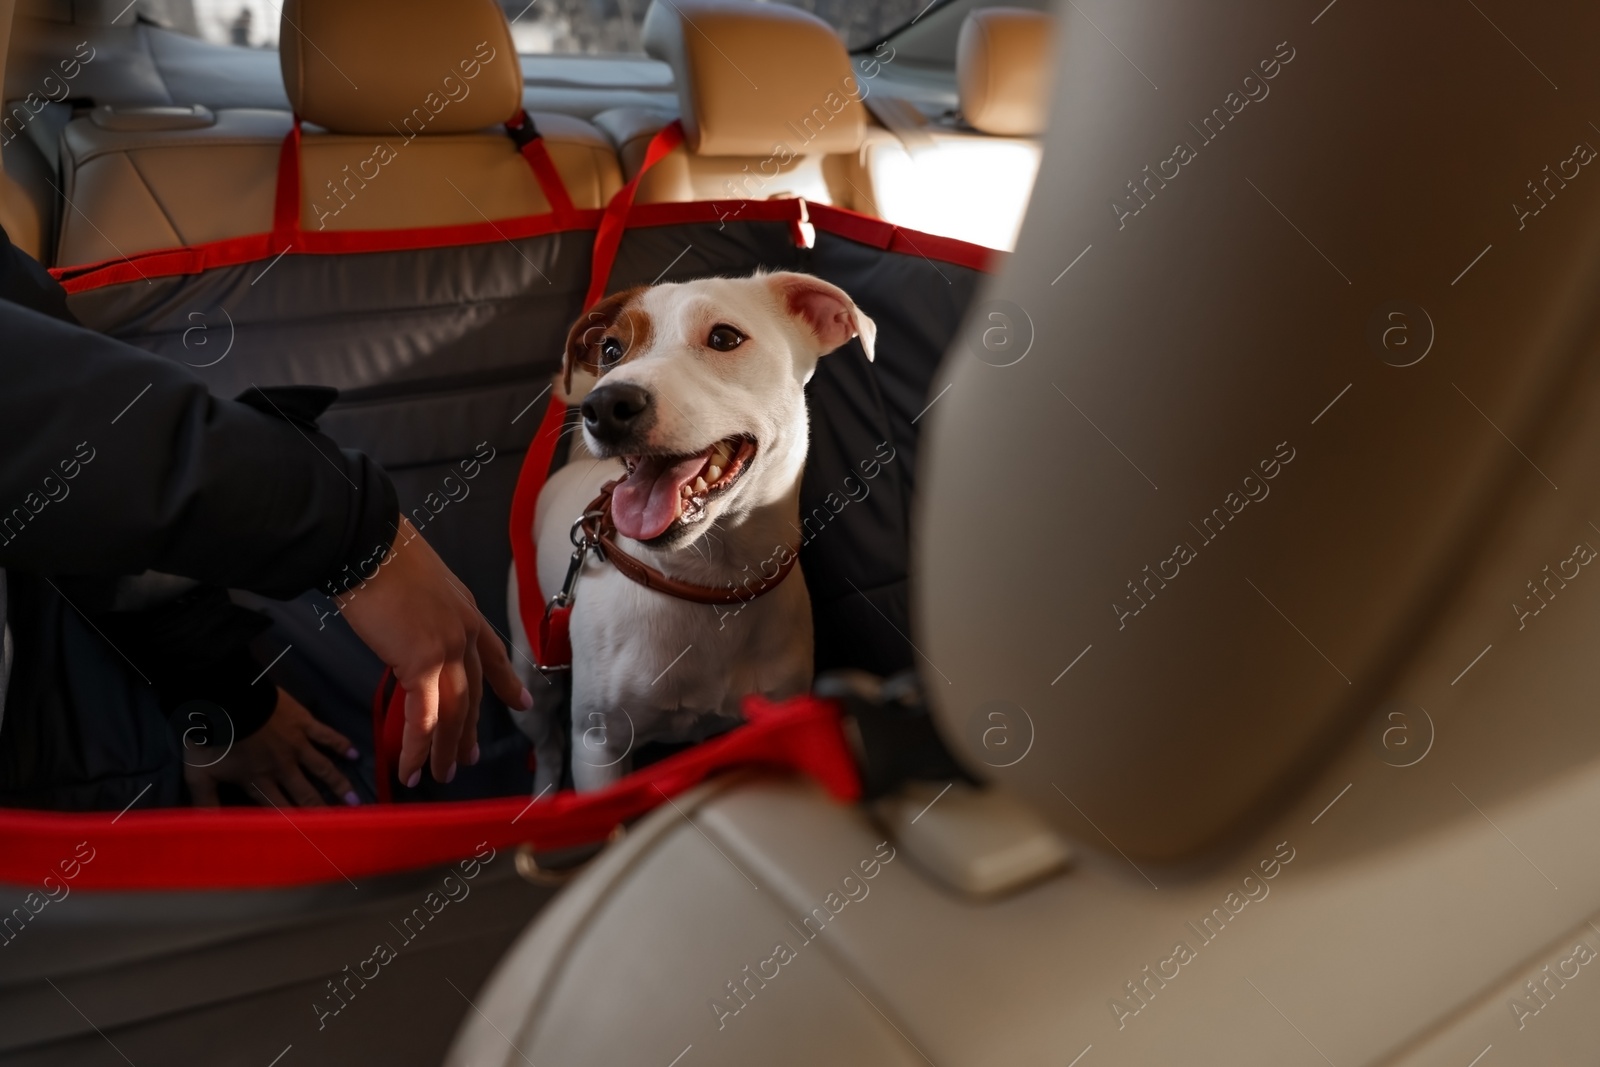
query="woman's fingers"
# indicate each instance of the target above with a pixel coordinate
(294, 782)
(467, 743)
(502, 677)
(332, 739)
(421, 621)
(266, 789)
(422, 715)
(312, 759)
(454, 693)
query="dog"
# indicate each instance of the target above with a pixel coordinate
(693, 404)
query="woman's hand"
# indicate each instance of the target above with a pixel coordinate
(422, 622)
(271, 763)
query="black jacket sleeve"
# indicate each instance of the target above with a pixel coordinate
(195, 648)
(23, 280)
(116, 461)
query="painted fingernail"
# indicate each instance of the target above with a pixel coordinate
(450, 775)
(472, 757)
(352, 753)
(526, 700)
(416, 776)
(351, 799)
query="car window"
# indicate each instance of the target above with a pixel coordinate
(540, 27)
(583, 26)
(246, 23)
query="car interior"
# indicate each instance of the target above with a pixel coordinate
(1188, 720)
(180, 146)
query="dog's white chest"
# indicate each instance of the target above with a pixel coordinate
(640, 648)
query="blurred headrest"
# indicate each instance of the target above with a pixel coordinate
(1003, 70)
(399, 66)
(754, 76)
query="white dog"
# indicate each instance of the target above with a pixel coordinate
(692, 402)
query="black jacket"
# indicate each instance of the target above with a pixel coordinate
(114, 462)
(117, 461)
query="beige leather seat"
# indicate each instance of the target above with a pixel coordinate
(401, 103)
(971, 178)
(769, 101)
(1334, 789)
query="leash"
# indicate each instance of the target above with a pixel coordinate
(539, 618)
(596, 532)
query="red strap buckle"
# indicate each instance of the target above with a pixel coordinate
(555, 642)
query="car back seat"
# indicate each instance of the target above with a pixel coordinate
(970, 178)
(769, 100)
(398, 102)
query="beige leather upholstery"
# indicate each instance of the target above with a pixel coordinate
(20, 216)
(682, 175)
(630, 130)
(402, 115)
(448, 180)
(952, 181)
(1003, 70)
(753, 74)
(769, 101)
(399, 66)
(20, 213)
(1402, 908)
(134, 191)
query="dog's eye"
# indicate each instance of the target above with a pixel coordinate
(724, 338)
(610, 351)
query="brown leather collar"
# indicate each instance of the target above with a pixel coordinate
(600, 530)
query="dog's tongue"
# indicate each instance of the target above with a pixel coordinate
(646, 503)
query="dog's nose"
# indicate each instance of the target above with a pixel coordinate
(614, 411)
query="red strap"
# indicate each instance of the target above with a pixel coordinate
(182, 848)
(524, 554)
(380, 703)
(555, 637)
(609, 236)
(542, 450)
(544, 168)
(286, 203)
(388, 730)
(254, 248)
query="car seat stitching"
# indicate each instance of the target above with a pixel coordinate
(150, 189)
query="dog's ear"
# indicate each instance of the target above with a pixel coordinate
(826, 310)
(610, 317)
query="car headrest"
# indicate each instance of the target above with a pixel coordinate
(399, 66)
(1003, 70)
(754, 77)
(1255, 485)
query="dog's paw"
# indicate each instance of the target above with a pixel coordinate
(590, 777)
(543, 725)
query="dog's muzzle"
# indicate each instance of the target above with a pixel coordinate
(617, 413)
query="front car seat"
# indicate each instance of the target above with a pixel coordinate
(1260, 504)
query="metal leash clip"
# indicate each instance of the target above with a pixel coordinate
(582, 544)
